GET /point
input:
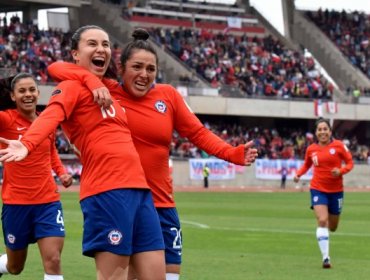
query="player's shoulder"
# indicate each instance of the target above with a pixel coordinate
(339, 144)
(9, 114)
(164, 88)
(68, 85)
(313, 146)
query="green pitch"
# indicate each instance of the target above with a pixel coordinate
(242, 236)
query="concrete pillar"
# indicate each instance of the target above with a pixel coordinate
(30, 13)
(288, 17)
(245, 4)
(74, 20)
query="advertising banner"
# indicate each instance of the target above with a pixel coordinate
(271, 169)
(219, 169)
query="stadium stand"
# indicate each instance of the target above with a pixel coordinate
(256, 66)
(350, 32)
(337, 65)
(223, 71)
(25, 48)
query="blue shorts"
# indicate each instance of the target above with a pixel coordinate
(121, 221)
(25, 224)
(172, 234)
(334, 201)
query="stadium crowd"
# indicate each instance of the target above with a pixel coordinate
(25, 48)
(257, 66)
(253, 65)
(350, 32)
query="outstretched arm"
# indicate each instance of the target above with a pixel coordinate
(188, 125)
(61, 71)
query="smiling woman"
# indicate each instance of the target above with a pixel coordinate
(326, 157)
(96, 52)
(28, 187)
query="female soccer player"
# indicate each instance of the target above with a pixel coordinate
(326, 156)
(120, 222)
(29, 193)
(154, 111)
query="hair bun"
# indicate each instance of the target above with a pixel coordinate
(140, 34)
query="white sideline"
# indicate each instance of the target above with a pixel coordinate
(195, 224)
(204, 226)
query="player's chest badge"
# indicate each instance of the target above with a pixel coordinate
(332, 151)
(160, 106)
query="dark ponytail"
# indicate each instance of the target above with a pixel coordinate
(5, 90)
(140, 42)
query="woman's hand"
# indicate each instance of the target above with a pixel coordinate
(15, 150)
(102, 97)
(66, 180)
(250, 154)
(336, 172)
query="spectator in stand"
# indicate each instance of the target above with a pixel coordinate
(162, 109)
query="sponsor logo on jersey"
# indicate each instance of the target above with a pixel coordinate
(114, 237)
(56, 92)
(332, 151)
(160, 106)
(21, 128)
(11, 238)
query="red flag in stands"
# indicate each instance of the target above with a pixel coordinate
(318, 107)
(331, 107)
(275, 58)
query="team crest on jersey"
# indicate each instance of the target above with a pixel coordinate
(56, 92)
(160, 106)
(114, 237)
(11, 238)
(332, 151)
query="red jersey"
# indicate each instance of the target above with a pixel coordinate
(100, 137)
(29, 181)
(152, 120)
(324, 159)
